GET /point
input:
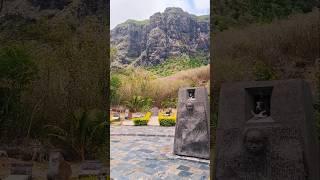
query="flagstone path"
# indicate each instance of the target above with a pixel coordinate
(146, 153)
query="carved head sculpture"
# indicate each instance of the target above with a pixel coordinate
(55, 157)
(189, 105)
(254, 141)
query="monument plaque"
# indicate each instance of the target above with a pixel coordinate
(192, 134)
(266, 131)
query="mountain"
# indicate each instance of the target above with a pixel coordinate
(150, 42)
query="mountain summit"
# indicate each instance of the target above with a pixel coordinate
(150, 42)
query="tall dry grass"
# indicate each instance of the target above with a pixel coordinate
(140, 82)
(289, 47)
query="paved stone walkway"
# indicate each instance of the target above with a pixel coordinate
(153, 121)
(146, 153)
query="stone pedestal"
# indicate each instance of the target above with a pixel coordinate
(266, 130)
(192, 134)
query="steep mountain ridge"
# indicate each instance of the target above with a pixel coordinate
(171, 33)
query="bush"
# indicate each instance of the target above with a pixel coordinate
(167, 120)
(169, 103)
(142, 121)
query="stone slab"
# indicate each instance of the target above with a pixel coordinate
(192, 134)
(275, 141)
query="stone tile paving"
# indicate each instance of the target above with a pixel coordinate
(153, 121)
(142, 130)
(134, 156)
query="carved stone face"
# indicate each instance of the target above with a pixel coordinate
(254, 142)
(189, 106)
(55, 158)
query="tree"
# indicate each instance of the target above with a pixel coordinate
(115, 84)
(113, 53)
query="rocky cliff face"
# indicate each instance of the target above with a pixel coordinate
(171, 33)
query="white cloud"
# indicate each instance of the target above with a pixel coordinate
(122, 10)
(202, 4)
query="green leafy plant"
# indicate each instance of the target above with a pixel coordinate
(167, 121)
(17, 71)
(169, 103)
(263, 72)
(115, 84)
(177, 64)
(138, 103)
(85, 131)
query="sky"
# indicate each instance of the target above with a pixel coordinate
(122, 10)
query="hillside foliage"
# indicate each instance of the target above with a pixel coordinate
(231, 13)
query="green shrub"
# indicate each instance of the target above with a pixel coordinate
(263, 72)
(139, 103)
(169, 103)
(142, 121)
(167, 120)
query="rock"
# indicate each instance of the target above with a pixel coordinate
(266, 130)
(171, 33)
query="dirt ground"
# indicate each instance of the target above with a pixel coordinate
(39, 170)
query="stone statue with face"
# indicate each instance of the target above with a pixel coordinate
(254, 142)
(251, 162)
(189, 106)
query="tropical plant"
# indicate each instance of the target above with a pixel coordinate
(139, 103)
(85, 132)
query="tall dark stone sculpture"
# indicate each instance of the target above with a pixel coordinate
(266, 131)
(192, 134)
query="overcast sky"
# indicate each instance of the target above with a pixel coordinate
(122, 10)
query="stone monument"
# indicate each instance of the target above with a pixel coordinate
(266, 131)
(192, 134)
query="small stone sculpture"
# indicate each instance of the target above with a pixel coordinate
(59, 169)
